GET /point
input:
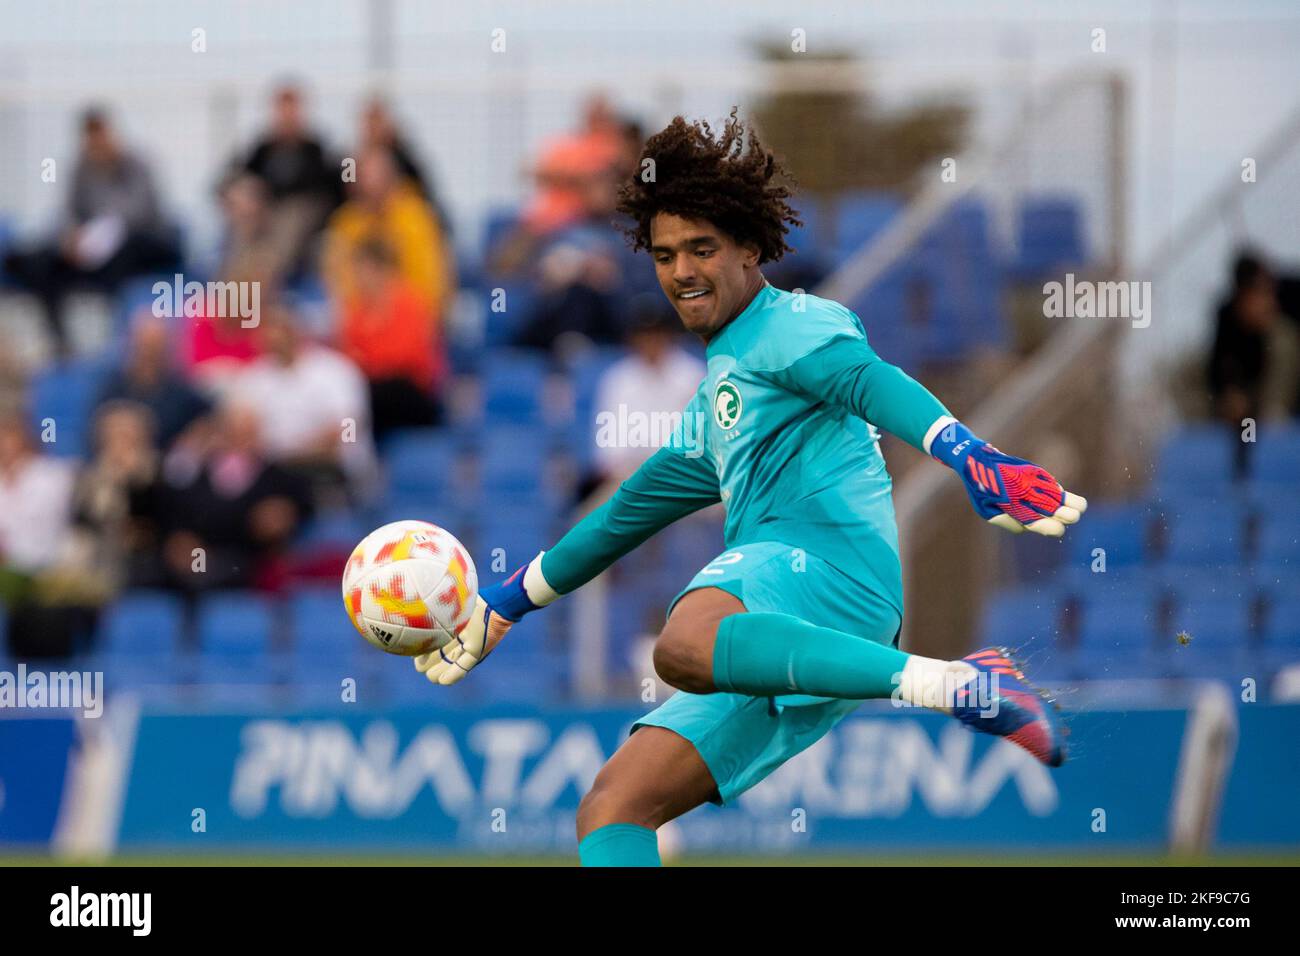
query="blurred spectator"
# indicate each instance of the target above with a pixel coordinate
(113, 227)
(256, 239)
(314, 407)
(107, 498)
(386, 207)
(569, 165)
(566, 241)
(576, 177)
(632, 142)
(1252, 366)
(379, 130)
(645, 390)
(220, 512)
(389, 331)
(217, 347)
(149, 377)
(35, 515)
(303, 183)
(578, 280)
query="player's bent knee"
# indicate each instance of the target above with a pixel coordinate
(683, 654)
(605, 804)
(684, 660)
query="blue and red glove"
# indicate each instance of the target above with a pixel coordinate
(496, 608)
(1006, 491)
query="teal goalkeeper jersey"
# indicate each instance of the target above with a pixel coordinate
(792, 466)
(780, 431)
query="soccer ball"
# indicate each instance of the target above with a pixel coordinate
(409, 587)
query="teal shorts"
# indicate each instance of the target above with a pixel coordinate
(743, 739)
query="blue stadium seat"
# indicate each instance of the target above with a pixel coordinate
(1118, 615)
(808, 240)
(1276, 455)
(507, 313)
(513, 462)
(1278, 544)
(1282, 622)
(1195, 459)
(66, 392)
(1120, 530)
(512, 383)
(321, 626)
(634, 610)
(859, 218)
(1213, 619)
(955, 262)
(423, 462)
(524, 678)
(134, 296)
(1278, 583)
(149, 624)
(334, 529)
(1229, 583)
(519, 531)
(132, 670)
(1022, 615)
(326, 647)
(1217, 535)
(1050, 236)
(886, 316)
(236, 624)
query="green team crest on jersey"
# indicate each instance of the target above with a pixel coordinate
(726, 405)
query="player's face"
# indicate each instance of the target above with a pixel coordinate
(708, 277)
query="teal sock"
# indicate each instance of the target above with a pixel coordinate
(620, 844)
(765, 655)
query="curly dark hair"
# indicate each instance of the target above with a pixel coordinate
(728, 180)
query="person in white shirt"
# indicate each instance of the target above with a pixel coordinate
(640, 398)
(35, 500)
(313, 401)
(35, 531)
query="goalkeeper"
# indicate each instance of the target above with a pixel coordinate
(797, 621)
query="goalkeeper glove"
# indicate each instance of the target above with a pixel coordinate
(496, 608)
(1006, 491)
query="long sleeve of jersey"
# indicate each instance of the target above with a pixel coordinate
(847, 372)
(669, 486)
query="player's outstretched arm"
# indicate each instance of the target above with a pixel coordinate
(669, 486)
(1006, 491)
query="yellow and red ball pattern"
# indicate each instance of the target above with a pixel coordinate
(409, 587)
